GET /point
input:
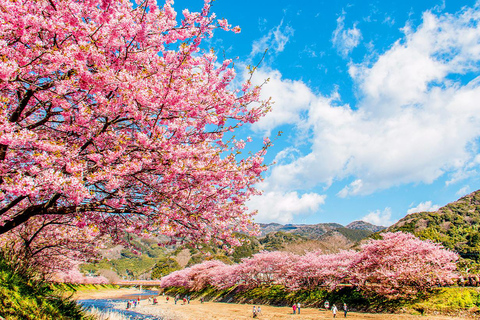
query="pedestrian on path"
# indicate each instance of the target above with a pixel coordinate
(345, 309)
(334, 311)
(298, 307)
(294, 307)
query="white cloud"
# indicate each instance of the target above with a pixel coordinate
(275, 206)
(426, 206)
(352, 188)
(412, 124)
(345, 40)
(275, 40)
(463, 191)
(290, 99)
(379, 218)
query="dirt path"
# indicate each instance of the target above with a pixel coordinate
(230, 311)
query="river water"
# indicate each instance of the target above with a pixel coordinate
(119, 306)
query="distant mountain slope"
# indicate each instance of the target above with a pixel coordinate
(456, 225)
(332, 236)
(362, 225)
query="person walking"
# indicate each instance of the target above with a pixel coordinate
(259, 310)
(326, 305)
(334, 311)
(298, 307)
(294, 307)
(254, 312)
(345, 309)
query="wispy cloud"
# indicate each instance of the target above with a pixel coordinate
(275, 40)
(352, 188)
(426, 206)
(345, 40)
(463, 191)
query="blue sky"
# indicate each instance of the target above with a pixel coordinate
(378, 102)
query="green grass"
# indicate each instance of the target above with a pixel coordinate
(25, 297)
(449, 301)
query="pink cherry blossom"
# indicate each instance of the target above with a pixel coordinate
(112, 115)
(397, 266)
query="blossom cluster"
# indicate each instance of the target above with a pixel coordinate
(397, 266)
(113, 116)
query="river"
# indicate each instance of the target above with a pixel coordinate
(118, 306)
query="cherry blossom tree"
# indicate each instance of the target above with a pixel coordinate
(50, 245)
(397, 266)
(225, 276)
(316, 269)
(265, 268)
(177, 278)
(401, 266)
(114, 118)
(200, 275)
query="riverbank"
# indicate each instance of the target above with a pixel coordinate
(168, 310)
(107, 293)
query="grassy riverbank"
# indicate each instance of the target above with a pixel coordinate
(23, 296)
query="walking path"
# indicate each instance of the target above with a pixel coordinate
(232, 311)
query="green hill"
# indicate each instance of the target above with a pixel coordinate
(456, 226)
(120, 262)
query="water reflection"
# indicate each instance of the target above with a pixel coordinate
(119, 306)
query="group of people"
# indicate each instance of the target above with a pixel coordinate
(296, 308)
(133, 303)
(185, 299)
(152, 300)
(257, 311)
(335, 309)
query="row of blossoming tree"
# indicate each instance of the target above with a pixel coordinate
(397, 266)
(114, 118)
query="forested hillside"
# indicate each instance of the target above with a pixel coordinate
(456, 226)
